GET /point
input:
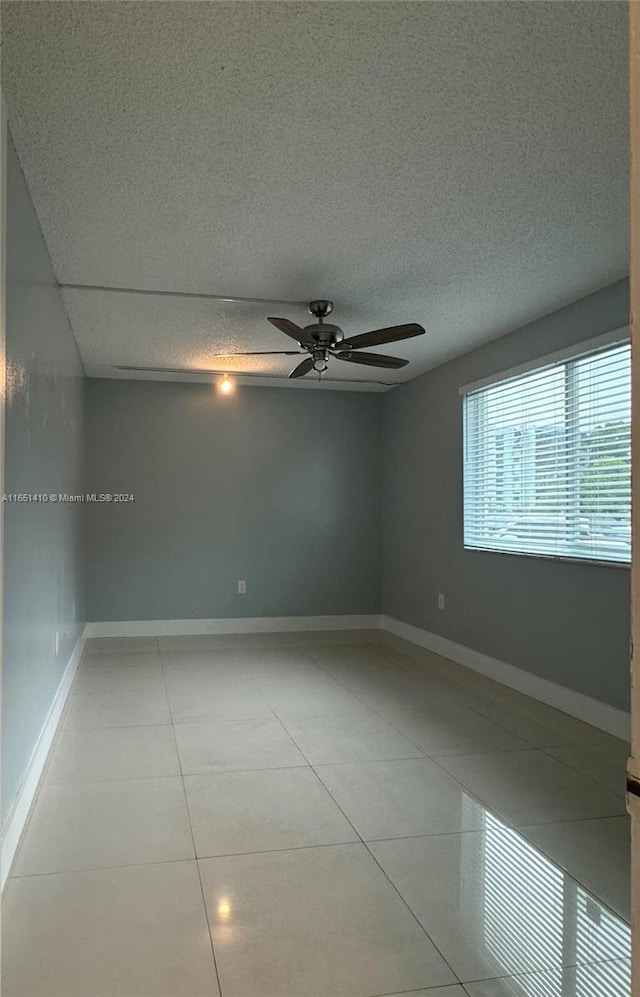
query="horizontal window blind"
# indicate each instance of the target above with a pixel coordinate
(547, 460)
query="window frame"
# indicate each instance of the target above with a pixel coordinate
(619, 336)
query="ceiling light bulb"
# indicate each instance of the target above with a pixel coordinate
(226, 385)
(320, 364)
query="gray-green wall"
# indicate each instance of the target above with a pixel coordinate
(277, 486)
(563, 621)
(44, 587)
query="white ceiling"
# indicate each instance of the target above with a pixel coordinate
(462, 165)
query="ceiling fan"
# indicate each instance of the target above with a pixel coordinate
(323, 340)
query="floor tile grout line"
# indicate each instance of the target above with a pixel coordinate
(264, 768)
(464, 788)
(482, 751)
(173, 775)
(293, 848)
(414, 915)
(101, 868)
(237, 720)
(568, 820)
(542, 751)
(275, 851)
(363, 842)
(358, 697)
(550, 969)
(489, 807)
(116, 664)
(416, 990)
(193, 858)
(515, 827)
(497, 723)
(576, 742)
(114, 727)
(202, 893)
(396, 668)
(193, 837)
(411, 675)
(255, 688)
(536, 847)
(473, 708)
(549, 748)
(625, 919)
(510, 823)
(163, 723)
(470, 830)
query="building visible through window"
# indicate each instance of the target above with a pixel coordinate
(547, 466)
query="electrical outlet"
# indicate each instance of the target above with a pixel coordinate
(441, 600)
(242, 587)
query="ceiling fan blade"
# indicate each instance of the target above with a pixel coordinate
(302, 368)
(372, 359)
(259, 353)
(381, 336)
(291, 329)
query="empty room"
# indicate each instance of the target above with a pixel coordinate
(316, 491)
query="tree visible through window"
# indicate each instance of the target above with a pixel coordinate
(548, 460)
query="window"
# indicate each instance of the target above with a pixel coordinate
(547, 459)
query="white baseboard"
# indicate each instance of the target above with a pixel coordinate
(17, 818)
(591, 711)
(237, 625)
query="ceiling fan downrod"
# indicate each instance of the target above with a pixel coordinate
(324, 339)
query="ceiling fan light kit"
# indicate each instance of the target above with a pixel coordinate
(225, 385)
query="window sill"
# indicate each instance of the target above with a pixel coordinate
(549, 557)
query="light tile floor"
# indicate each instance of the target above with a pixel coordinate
(317, 815)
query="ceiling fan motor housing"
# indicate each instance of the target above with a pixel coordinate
(325, 334)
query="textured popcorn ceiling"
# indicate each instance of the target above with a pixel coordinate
(462, 165)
